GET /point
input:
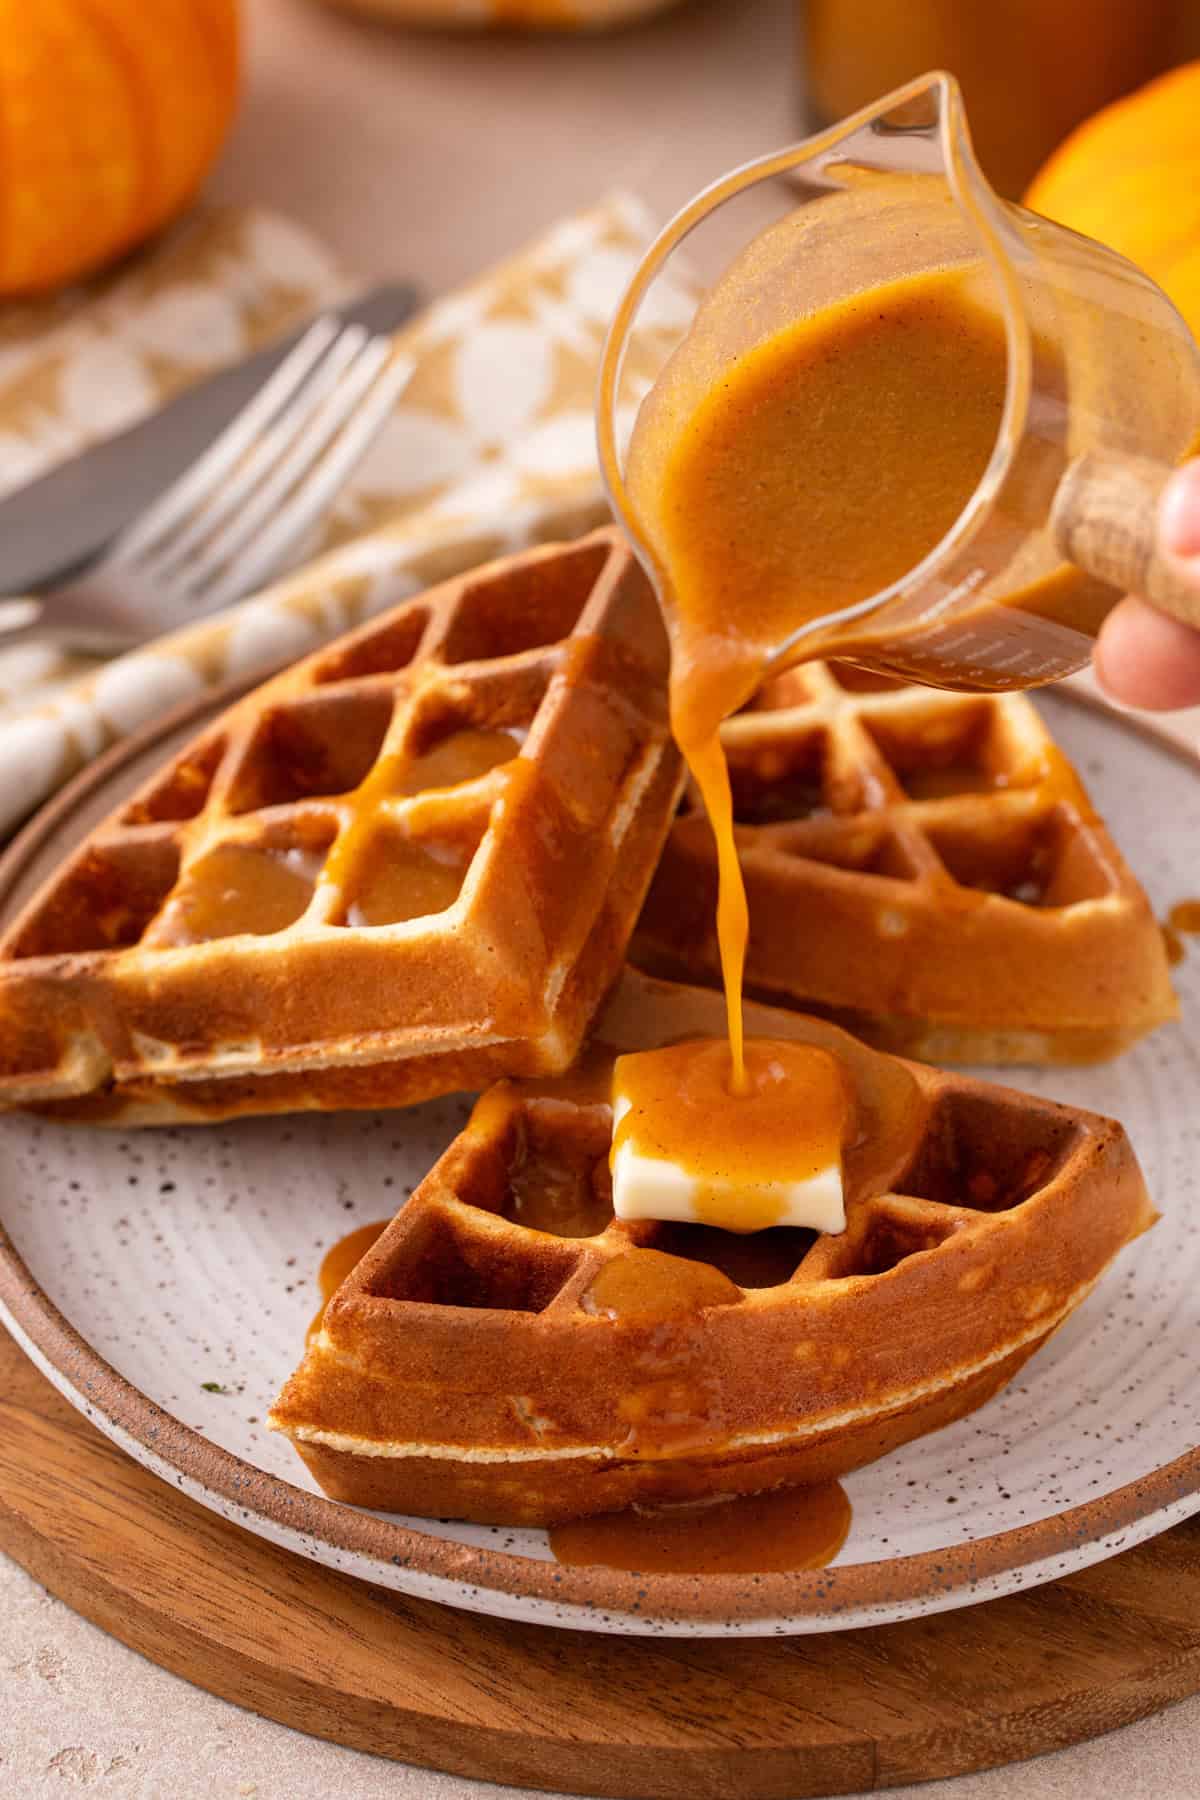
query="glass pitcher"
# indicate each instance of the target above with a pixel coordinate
(1102, 387)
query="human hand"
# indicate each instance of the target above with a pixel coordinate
(1144, 657)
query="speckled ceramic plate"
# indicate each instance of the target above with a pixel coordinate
(163, 1281)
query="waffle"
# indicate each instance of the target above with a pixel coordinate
(408, 865)
(923, 867)
(463, 1368)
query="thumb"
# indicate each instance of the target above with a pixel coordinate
(1179, 516)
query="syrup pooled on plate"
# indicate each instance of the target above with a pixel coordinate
(1185, 916)
(337, 1263)
(1182, 921)
(752, 1534)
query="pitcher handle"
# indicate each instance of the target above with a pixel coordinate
(1105, 520)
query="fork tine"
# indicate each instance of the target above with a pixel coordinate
(205, 475)
(314, 492)
(180, 549)
(307, 439)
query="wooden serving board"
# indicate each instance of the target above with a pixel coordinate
(752, 1718)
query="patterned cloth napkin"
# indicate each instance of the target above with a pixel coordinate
(490, 448)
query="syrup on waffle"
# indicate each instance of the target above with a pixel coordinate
(924, 867)
(509, 1352)
(408, 865)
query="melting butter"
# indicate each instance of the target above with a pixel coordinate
(686, 1149)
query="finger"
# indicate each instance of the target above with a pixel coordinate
(1145, 658)
(1179, 513)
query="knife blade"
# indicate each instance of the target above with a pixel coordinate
(57, 523)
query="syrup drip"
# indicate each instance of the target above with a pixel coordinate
(952, 778)
(337, 1263)
(401, 878)
(556, 1197)
(751, 1534)
(648, 1285)
(462, 756)
(363, 807)
(546, 1191)
(705, 758)
(239, 888)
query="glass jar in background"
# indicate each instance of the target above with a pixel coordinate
(1030, 70)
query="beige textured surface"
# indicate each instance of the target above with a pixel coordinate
(79, 1711)
(377, 142)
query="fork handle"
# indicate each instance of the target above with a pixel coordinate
(1105, 520)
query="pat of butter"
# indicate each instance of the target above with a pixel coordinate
(686, 1150)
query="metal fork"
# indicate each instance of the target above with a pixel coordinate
(229, 522)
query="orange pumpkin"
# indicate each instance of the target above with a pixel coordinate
(111, 113)
(1130, 177)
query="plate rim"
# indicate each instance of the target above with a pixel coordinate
(481, 1578)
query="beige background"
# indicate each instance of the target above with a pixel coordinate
(431, 157)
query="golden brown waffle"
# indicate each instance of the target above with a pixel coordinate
(925, 868)
(408, 865)
(470, 1365)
